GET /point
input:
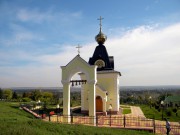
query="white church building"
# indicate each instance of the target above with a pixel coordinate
(99, 82)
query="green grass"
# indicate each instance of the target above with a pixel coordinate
(152, 112)
(126, 111)
(18, 122)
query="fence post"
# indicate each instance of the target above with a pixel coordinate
(124, 121)
(49, 117)
(97, 120)
(42, 114)
(154, 125)
(110, 119)
(71, 118)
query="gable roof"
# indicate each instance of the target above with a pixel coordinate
(78, 57)
(78, 64)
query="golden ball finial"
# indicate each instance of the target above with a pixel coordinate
(101, 38)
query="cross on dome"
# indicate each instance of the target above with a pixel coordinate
(100, 38)
(100, 19)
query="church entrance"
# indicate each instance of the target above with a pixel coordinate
(99, 104)
(79, 65)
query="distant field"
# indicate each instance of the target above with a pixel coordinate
(14, 121)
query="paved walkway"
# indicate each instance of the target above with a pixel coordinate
(136, 111)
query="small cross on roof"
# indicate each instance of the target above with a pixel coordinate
(78, 49)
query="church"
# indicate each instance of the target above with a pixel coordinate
(99, 81)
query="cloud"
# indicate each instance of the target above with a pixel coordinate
(145, 55)
(18, 36)
(33, 15)
(148, 55)
(30, 76)
(36, 16)
(29, 27)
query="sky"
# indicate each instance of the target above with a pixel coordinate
(39, 36)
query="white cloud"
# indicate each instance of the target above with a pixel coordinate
(36, 76)
(36, 16)
(33, 15)
(148, 56)
(19, 36)
(145, 56)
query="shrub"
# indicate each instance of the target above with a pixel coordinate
(174, 110)
(157, 107)
(168, 112)
(26, 99)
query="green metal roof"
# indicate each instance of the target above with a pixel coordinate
(172, 99)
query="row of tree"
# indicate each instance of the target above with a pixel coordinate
(7, 94)
(144, 97)
(35, 95)
(151, 98)
(48, 97)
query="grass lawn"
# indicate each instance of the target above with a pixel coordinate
(152, 112)
(126, 111)
(18, 122)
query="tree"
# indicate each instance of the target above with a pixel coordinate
(24, 95)
(139, 99)
(26, 99)
(168, 112)
(163, 96)
(36, 95)
(27, 94)
(175, 110)
(7, 94)
(56, 98)
(1, 93)
(47, 96)
(14, 96)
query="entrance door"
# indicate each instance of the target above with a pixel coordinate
(99, 104)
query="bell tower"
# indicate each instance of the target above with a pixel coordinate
(107, 84)
(100, 56)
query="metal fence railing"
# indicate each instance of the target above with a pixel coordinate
(161, 128)
(119, 121)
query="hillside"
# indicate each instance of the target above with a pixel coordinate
(17, 122)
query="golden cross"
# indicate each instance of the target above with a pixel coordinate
(100, 19)
(78, 47)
